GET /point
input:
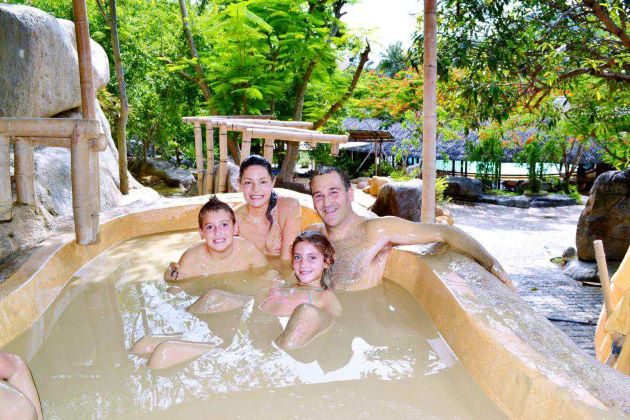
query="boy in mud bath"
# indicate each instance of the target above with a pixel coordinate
(221, 251)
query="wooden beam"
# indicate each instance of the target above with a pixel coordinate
(209, 159)
(222, 158)
(246, 146)
(217, 121)
(199, 157)
(82, 201)
(24, 169)
(49, 127)
(6, 200)
(268, 153)
(63, 142)
(334, 149)
(429, 100)
(84, 51)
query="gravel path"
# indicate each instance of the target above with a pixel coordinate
(524, 241)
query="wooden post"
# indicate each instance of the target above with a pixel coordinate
(199, 157)
(268, 154)
(209, 159)
(246, 147)
(222, 158)
(429, 129)
(375, 157)
(334, 149)
(24, 170)
(85, 219)
(602, 268)
(6, 200)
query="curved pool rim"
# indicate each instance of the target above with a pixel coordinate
(528, 367)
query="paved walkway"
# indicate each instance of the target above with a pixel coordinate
(524, 241)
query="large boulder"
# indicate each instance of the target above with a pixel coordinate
(463, 188)
(375, 184)
(169, 174)
(404, 199)
(606, 216)
(39, 77)
(39, 67)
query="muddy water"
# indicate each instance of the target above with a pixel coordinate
(382, 358)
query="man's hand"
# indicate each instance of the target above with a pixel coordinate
(500, 273)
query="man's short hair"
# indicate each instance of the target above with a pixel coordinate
(214, 205)
(345, 179)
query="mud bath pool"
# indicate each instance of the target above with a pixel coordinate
(384, 357)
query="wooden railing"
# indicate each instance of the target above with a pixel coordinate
(250, 128)
(83, 137)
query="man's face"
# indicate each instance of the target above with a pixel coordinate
(218, 230)
(331, 200)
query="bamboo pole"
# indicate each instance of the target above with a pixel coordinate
(429, 130)
(268, 154)
(222, 158)
(48, 127)
(24, 170)
(334, 149)
(602, 268)
(209, 159)
(199, 157)
(6, 200)
(82, 205)
(217, 121)
(246, 147)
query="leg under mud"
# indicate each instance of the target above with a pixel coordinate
(216, 301)
(147, 344)
(305, 324)
(171, 353)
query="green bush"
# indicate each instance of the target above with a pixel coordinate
(440, 188)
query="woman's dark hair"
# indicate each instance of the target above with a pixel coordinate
(256, 160)
(324, 246)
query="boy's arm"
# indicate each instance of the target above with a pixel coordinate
(292, 227)
(175, 271)
(403, 232)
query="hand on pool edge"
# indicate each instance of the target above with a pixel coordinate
(172, 272)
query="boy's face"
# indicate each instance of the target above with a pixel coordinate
(218, 230)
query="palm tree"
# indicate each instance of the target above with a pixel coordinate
(394, 60)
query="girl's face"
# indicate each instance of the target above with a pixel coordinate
(308, 263)
(257, 186)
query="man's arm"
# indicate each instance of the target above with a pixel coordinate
(399, 231)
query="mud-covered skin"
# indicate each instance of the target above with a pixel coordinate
(363, 245)
(18, 395)
(217, 301)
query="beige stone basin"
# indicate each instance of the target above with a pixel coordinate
(525, 365)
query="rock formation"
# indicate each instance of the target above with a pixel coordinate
(606, 216)
(463, 188)
(39, 77)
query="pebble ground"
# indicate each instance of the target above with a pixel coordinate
(524, 241)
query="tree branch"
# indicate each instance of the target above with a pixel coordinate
(355, 79)
(609, 24)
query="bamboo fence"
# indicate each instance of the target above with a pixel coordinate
(250, 128)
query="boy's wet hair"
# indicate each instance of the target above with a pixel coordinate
(214, 205)
(324, 246)
(324, 170)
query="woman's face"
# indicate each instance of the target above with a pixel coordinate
(308, 263)
(256, 185)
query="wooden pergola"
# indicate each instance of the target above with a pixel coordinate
(250, 128)
(377, 137)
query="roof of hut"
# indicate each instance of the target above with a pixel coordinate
(453, 149)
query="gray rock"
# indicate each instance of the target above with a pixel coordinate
(39, 71)
(586, 270)
(524, 202)
(401, 199)
(606, 216)
(169, 174)
(463, 188)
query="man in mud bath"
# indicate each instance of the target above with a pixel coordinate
(363, 244)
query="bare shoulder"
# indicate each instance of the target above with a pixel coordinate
(240, 209)
(288, 204)
(193, 252)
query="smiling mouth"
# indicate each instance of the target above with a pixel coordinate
(305, 272)
(329, 211)
(218, 241)
(256, 196)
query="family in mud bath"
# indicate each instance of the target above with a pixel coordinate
(346, 252)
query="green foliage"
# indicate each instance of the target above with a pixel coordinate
(393, 60)
(488, 153)
(440, 191)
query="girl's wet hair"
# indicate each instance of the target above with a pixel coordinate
(324, 246)
(256, 160)
(214, 205)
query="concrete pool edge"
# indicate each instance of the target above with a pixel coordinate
(510, 365)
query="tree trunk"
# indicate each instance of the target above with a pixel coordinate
(193, 52)
(121, 126)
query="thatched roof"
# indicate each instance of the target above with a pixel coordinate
(453, 149)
